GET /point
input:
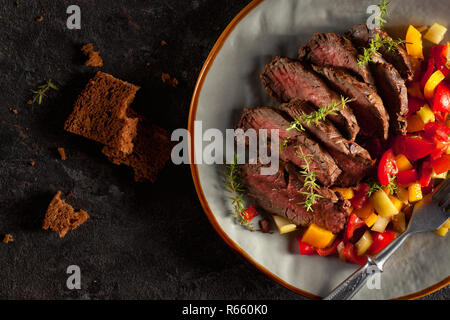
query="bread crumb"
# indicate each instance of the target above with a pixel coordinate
(8, 238)
(40, 19)
(163, 43)
(94, 59)
(30, 102)
(69, 194)
(166, 78)
(15, 111)
(32, 163)
(61, 217)
(62, 153)
(148, 64)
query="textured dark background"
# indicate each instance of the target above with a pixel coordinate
(143, 241)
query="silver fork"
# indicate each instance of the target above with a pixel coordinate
(429, 216)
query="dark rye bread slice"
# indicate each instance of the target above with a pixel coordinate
(354, 161)
(271, 119)
(152, 149)
(61, 217)
(285, 80)
(330, 49)
(392, 89)
(367, 105)
(100, 113)
(361, 36)
(282, 194)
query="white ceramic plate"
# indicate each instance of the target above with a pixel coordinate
(230, 81)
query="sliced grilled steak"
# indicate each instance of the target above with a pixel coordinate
(297, 143)
(286, 79)
(367, 106)
(361, 36)
(392, 89)
(354, 161)
(280, 194)
(330, 49)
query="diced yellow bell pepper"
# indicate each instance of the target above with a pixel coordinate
(441, 231)
(426, 114)
(402, 194)
(370, 220)
(284, 225)
(347, 193)
(403, 163)
(415, 124)
(415, 192)
(415, 91)
(383, 205)
(396, 202)
(318, 237)
(414, 45)
(447, 224)
(399, 222)
(365, 211)
(443, 175)
(432, 83)
(436, 33)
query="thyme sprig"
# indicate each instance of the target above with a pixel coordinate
(375, 45)
(383, 12)
(40, 92)
(374, 186)
(233, 185)
(320, 114)
(310, 178)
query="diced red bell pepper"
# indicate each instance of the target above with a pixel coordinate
(387, 168)
(414, 104)
(380, 241)
(438, 130)
(361, 196)
(439, 148)
(407, 177)
(441, 164)
(413, 147)
(330, 250)
(305, 248)
(427, 190)
(426, 170)
(439, 54)
(250, 213)
(353, 223)
(429, 71)
(441, 116)
(350, 254)
(441, 101)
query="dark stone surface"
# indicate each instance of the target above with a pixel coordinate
(143, 241)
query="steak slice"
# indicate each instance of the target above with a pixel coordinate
(286, 79)
(354, 161)
(367, 106)
(330, 49)
(361, 36)
(280, 194)
(297, 142)
(392, 89)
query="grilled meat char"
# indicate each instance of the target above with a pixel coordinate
(367, 106)
(392, 89)
(280, 194)
(270, 118)
(354, 161)
(361, 36)
(330, 49)
(285, 79)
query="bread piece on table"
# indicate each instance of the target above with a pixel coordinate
(61, 217)
(151, 152)
(100, 113)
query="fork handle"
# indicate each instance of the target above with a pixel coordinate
(350, 286)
